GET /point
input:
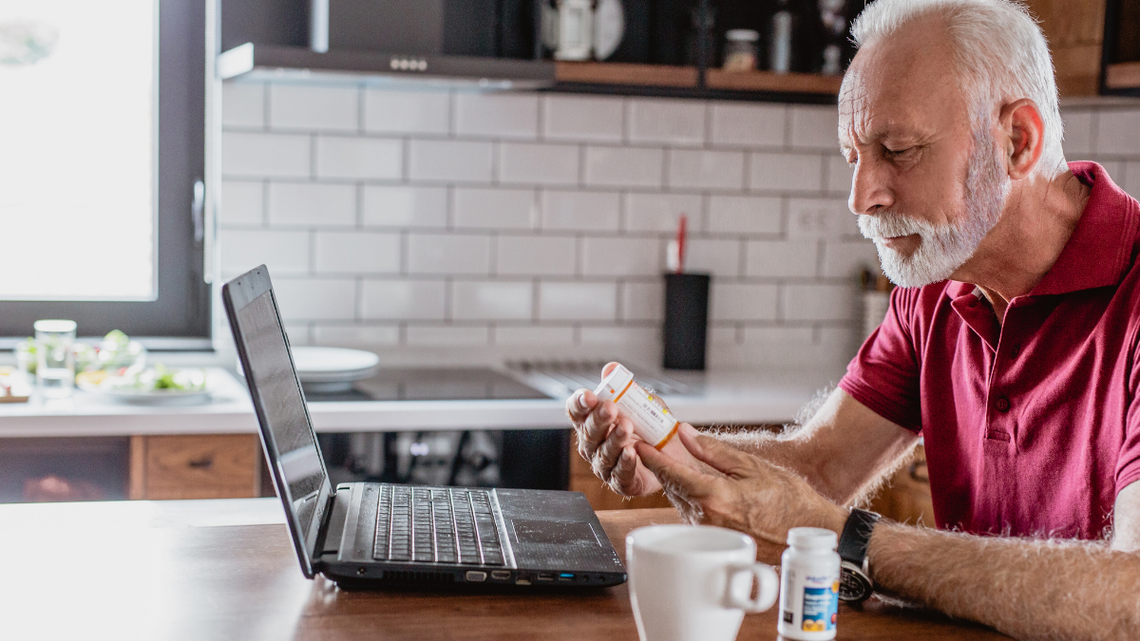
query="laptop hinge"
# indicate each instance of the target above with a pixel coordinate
(325, 514)
(338, 514)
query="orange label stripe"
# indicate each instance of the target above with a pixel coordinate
(627, 386)
(665, 440)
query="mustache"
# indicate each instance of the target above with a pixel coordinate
(893, 224)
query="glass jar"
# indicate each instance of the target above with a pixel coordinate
(741, 47)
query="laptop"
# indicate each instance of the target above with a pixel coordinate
(370, 535)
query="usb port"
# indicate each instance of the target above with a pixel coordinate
(545, 576)
(566, 576)
(501, 575)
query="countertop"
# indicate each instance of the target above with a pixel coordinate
(714, 397)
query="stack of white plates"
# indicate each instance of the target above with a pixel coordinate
(333, 369)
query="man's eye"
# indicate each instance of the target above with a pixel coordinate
(895, 153)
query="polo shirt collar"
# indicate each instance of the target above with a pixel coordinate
(1099, 252)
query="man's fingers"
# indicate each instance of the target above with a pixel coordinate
(625, 471)
(713, 453)
(597, 426)
(579, 404)
(675, 477)
(606, 456)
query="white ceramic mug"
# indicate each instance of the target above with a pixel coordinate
(689, 582)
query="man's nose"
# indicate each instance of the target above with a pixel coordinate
(870, 190)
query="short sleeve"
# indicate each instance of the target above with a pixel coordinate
(884, 376)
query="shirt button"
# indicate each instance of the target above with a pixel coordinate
(1014, 351)
(1003, 404)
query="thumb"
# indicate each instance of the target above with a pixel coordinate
(710, 451)
(675, 477)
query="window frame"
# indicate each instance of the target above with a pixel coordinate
(180, 318)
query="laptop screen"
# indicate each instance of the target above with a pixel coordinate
(289, 436)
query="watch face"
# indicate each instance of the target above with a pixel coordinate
(853, 584)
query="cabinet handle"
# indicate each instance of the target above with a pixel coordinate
(204, 463)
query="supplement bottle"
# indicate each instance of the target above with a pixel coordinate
(809, 585)
(651, 418)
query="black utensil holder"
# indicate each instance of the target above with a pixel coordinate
(686, 320)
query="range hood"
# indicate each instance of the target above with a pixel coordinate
(477, 43)
(282, 62)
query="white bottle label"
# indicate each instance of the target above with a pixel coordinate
(652, 420)
(808, 603)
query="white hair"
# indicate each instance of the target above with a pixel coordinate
(1000, 53)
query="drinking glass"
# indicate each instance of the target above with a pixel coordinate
(55, 360)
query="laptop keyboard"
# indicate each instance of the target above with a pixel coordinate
(436, 525)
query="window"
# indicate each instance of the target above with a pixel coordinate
(103, 148)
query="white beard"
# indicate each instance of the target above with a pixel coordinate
(944, 248)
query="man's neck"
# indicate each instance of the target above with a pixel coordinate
(1039, 217)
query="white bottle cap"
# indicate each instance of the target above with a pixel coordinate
(815, 538)
(614, 384)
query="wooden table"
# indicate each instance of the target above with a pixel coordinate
(225, 569)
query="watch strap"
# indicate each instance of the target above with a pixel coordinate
(856, 535)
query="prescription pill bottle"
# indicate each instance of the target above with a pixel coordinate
(809, 585)
(651, 418)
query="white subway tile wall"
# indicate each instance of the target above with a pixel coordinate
(313, 107)
(408, 219)
(578, 118)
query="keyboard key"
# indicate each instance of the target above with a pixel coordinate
(441, 525)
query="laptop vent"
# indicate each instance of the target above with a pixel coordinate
(410, 576)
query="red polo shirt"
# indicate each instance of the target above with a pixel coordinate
(1031, 428)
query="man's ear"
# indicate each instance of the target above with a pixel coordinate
(1024, 136)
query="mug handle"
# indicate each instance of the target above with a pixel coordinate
(740, 592)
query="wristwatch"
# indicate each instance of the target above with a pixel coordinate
(855, 583)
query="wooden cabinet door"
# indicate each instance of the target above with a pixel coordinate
(200, 466)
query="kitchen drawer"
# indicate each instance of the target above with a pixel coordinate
(201, 466)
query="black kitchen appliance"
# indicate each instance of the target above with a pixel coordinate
(535, 459)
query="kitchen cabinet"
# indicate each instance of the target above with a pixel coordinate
(195, 466)
(1121, 51)
(1075, 32)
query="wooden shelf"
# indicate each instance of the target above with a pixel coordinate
(686, 79)
(620, 73)
(773, 82)
(1122, 75)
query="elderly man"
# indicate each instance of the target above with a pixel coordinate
(1012, 347)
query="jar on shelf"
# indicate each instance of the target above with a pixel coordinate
(741, 47)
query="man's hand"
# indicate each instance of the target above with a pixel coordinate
(754, 496)
(605, 439)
